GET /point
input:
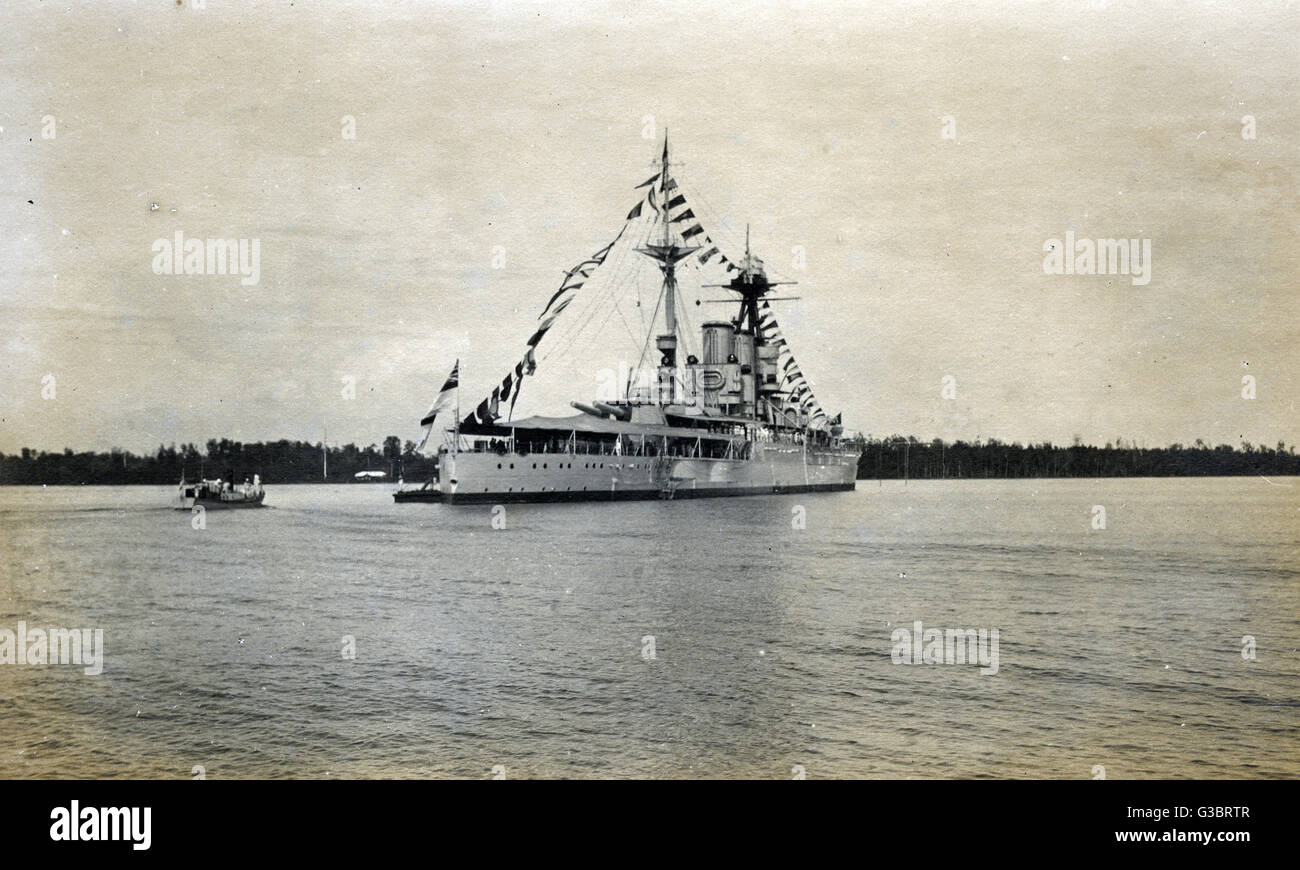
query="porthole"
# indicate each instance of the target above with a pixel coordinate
(498, 465)
(543, 465)
(534, 465)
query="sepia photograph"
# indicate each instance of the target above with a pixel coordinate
(871, 390)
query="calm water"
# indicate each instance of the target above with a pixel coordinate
(522, 647)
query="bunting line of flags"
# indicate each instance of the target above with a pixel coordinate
(446, 399)
(660, 188)
(685, 213)
(800, 391)
(489, 410)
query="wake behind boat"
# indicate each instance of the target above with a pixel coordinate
(739, 418)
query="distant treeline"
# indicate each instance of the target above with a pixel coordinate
(276, 462)
(889, 458)
(898, 457)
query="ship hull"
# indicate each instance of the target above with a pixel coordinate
(465, 497)
(425, 495)
(494, 478)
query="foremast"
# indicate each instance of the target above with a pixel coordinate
(667, 252)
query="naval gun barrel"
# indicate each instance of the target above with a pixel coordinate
(624, 414)
(587, 409)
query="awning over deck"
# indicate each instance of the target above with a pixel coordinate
(586, 423)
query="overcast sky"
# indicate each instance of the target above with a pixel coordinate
(523, 126)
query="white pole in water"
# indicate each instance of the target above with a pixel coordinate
(324, 453)
(455, 447)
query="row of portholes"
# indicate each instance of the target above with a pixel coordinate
(561, 465)
(570, 465)
(521, 489)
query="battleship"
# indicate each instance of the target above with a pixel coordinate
(737, 418)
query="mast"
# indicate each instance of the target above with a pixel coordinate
(667, 253)
(455, 446)
(670, 270)
(753, 287)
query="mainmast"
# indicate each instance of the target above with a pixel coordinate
(756, 356)
(752, 285)
(667, 253)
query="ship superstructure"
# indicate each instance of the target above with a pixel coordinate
(739, 418)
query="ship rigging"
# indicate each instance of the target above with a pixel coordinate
(738, 419)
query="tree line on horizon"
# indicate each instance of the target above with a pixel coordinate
(893, 457)
(280, 461)
(897, 457)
